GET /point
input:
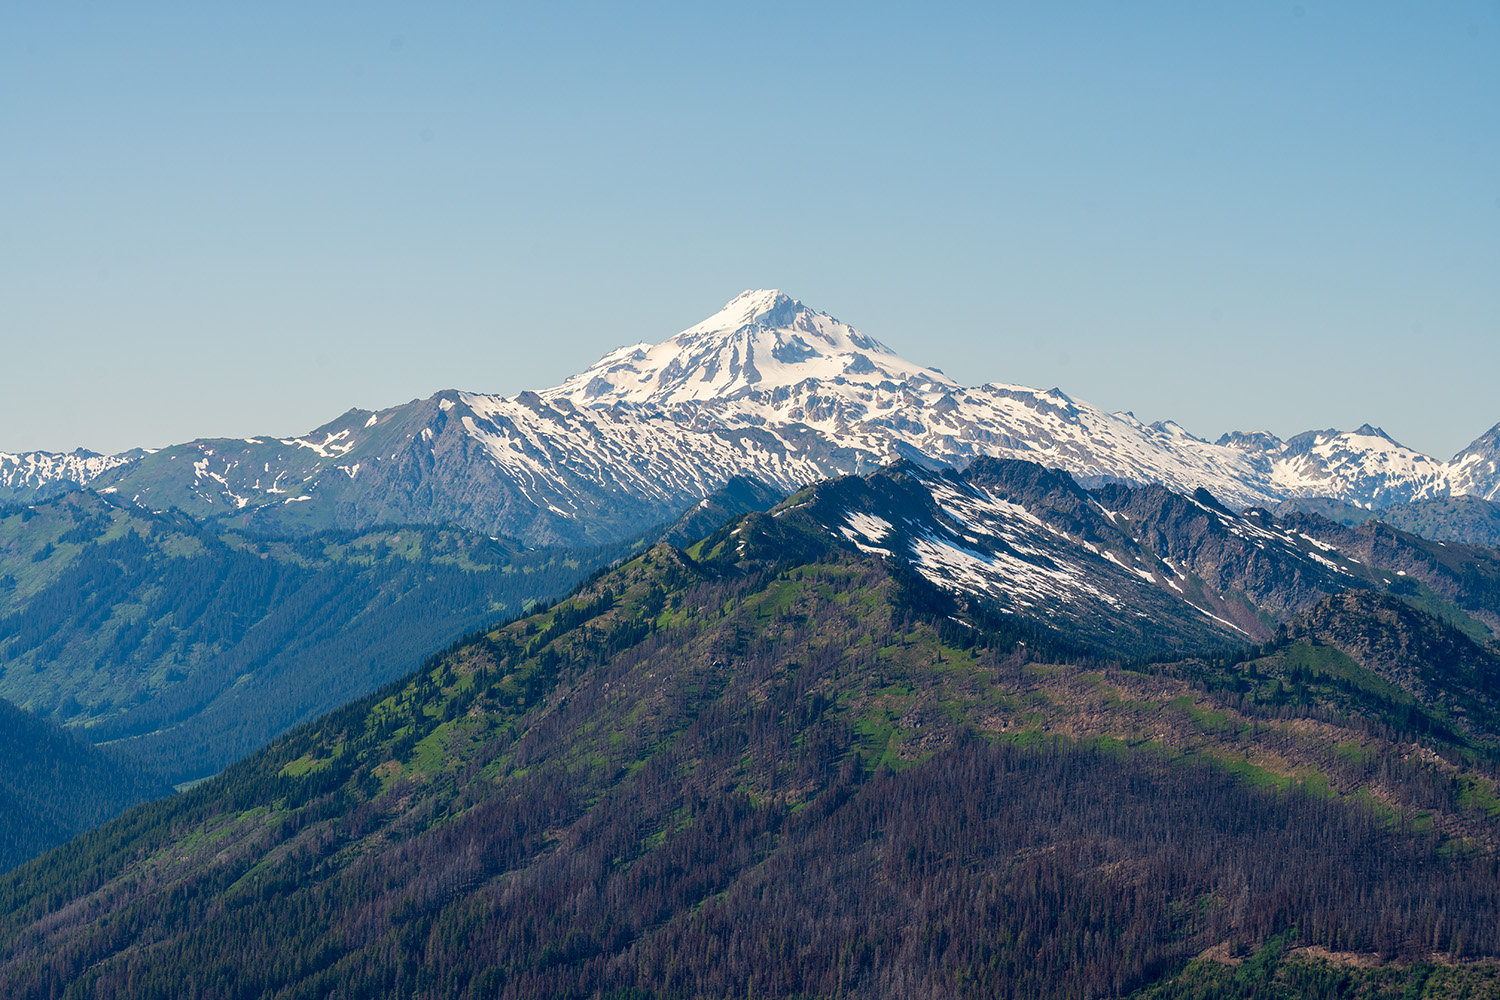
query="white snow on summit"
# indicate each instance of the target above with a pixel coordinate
(769, 388)
(761, 340)
(768, 363)
(834, 400)
(1476, 469)
(1365, 464)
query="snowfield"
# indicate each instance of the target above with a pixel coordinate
(766, 388)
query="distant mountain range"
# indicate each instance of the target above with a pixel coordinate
(1456, 518)
(767, 388)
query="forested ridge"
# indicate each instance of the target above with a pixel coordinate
(54, 786)
(777, 767)
(195, 644)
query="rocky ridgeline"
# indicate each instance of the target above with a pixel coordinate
(767, 389)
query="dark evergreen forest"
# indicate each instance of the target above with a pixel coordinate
(54, 786)
(192, 645)
(795, 771)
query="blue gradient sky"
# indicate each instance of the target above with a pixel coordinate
(224, 220)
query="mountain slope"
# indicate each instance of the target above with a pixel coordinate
(768, 389)
(760, 345)
(1450, 675)
(1459, 583)
(1466, 519)
(786, 769)
(736, 497)
(54, 786)
(194, 645)
(198, 645)
(1279, 970)
(1365, 467)
(35, 474)
(1130, 570)
(1475, 471)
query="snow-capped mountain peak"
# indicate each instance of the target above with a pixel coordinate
(1365, 466)
(766, 388)
(768, 307)
(759, 342)
(1476, 469)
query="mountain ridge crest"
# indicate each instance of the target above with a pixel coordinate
(767, 388)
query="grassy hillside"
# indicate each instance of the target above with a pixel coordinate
(790, 770)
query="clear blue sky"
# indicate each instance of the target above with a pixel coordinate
(237, 219)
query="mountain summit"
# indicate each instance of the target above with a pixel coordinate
(760, 341)
(766, 388)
